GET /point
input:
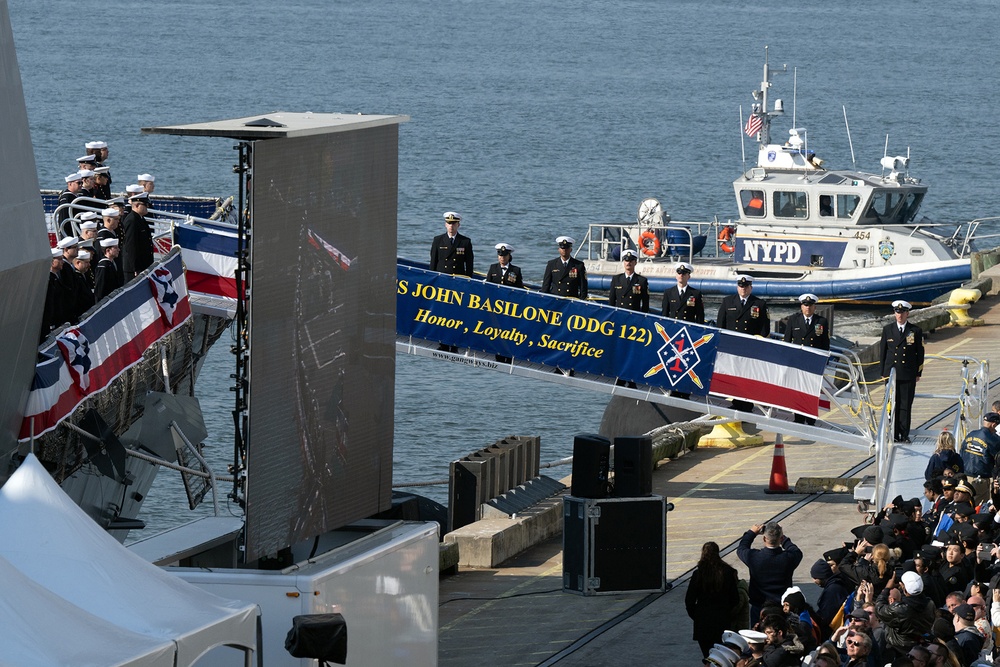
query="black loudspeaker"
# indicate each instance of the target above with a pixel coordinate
(591, 462)
(633, 466)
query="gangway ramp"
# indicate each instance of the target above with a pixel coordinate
(905, 467)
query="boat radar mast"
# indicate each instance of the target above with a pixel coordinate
(760, 110)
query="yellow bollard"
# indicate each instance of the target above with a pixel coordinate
(963, 297)
(730, 435)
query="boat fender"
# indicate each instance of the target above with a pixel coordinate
(649, 243)
(725, 239)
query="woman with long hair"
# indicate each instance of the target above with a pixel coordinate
(712, 595)
(945, 460)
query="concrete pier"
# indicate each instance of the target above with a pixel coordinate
(517, 614)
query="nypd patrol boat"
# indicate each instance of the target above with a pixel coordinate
(847, 235)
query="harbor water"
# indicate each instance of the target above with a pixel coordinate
(531, 120)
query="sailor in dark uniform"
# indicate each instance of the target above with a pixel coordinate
(89, 186)
(745, 313)
(112, 230)
(682, 302)
(902, 348)
(451, 252)
(102, 182)
(565, 275)
(87, 162)
(83, 291)
(629, 289)
(56, 296)
(137, 250)
(106, 277)
(503, 272)
(73, 184)
(808, 329)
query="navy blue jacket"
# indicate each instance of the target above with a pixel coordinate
(770, 568)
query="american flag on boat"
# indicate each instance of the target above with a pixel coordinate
(84, 359)
(754, 123)
(769, 372)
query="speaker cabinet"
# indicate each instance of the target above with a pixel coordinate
(614, 544)
(633, 466)
(591, 463)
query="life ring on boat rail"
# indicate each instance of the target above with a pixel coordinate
(649, 243)
(725, 239)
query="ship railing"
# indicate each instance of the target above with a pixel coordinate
(668, 241)
(162, 222)
(845, 388)
(883, 440)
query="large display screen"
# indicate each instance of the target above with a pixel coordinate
(322, 334)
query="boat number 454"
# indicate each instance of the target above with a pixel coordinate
(862, 235)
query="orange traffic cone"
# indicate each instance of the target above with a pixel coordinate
(779, 476)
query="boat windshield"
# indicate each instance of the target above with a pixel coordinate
(790, 204)
(891, 208)
(846, 205)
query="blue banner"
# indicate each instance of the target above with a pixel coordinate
(556, 331)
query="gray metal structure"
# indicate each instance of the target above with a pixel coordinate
(24, 253)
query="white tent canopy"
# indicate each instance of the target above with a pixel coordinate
(41, 630)
(50, 540)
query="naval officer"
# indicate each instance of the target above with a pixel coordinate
(745, 313)
(451, 252)
(683, 302)
(902, 348)
(629, 289)
(503, 272)
(808, 329)
(565, 275)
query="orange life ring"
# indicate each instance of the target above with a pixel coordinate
(649, 244)
(725, 235)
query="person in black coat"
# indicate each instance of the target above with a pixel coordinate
(451, 252)
(902, 348)
(682, 302)
(137, 251)
(808, 329)
(745, 313)
(565, 275)
(629, 289)
(771, 568)
(106, 277)
(73, 184)
(711, 597)
(503, 272)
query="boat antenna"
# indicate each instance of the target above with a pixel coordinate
(795, 92)
(885, 151)
(743, 145)
(849, 140)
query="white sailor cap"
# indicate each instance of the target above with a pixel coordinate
(735, 640)
(808, 298)
(628, 252)
(89, 224)
(83, 254)
(145, 177)
(135, 188)
(88, 215)
(683, 267)
(900, 305)
(110, 213)
(753, 636)
(86, 173)
(504, 248)
(102, 170)
(451, 216)
(57, 252)
(75, 176)
(87, 158)
(68, 242)
(93, 145)
(109, 242)
(744, 280)
(727, 652)
(565, 239)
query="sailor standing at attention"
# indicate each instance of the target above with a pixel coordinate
(74, 182)
(629, 289)
(451, 252)
(682, 302)
(745, 313)
(565, 275)
(503, 272)
(902, 348)
(808, 329)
